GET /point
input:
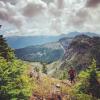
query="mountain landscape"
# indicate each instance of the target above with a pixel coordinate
(49, 49)
(50, 52)
(78, 53)
(39, 71)
(17, 42)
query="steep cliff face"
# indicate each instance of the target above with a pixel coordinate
(80, 51)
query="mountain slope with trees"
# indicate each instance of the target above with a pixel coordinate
(46, 53)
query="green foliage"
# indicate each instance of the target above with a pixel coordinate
(44, 68)
(83, 97)
(36, 69)
(64, 75)
(89, 83)
(14, 82)
(5, 51)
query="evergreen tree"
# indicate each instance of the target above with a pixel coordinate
(94, 85)
(64, 75)
(44, 69)
(89, 82)
(15, 83)
(5, 50)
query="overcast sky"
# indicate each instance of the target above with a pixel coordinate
(49, 17)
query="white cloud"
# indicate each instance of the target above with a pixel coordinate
(60, 4)
(10, 1)
(9, 14)
(34, 8)
(92, 3)
(51, 16)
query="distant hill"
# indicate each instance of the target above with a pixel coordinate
(24, 41)
(73, 34)
(46, 53)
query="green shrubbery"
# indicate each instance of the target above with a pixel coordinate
(14, 81)
(88, 84)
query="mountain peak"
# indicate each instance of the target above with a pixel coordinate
(73, 34)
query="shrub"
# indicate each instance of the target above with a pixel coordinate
(14, 81)
(89, 83)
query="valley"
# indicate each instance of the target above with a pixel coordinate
(61, 55)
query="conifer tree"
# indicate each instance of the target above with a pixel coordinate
(15, 83)
(89, 82)
(5, 51)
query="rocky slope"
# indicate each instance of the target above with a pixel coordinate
(80, 52)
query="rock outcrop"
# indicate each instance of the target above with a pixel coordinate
(80, 51)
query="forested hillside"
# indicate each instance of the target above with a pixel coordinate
(46, 53)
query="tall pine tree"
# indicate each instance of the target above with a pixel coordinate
(15, 83)
(5, 51)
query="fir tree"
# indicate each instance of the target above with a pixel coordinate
(44, 69)
(5, 51)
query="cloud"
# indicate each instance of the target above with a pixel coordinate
(48, 1)
(8, 14)
(92, 3)
(53, 10)
(60, 4)
(51, 16)
(78, 18)
(12, 13)
(56, 7)
(34, 8)
(10, 1)
(2, 4)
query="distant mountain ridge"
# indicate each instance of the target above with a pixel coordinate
(25, 41)
(73, 34)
